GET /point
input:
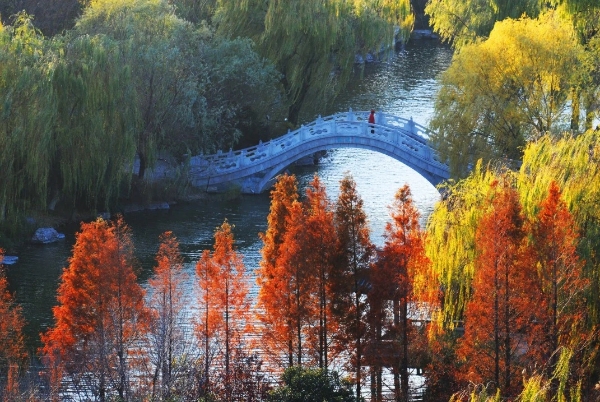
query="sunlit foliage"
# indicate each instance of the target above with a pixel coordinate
(274, 297)
(450, 243)
(502, 92)
(462, 22)
(100, 318)
(499, 318)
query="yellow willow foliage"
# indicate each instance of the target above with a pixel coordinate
(574, 163)
(463, 22)
(539, 55)
(450, 242)
(500, 93)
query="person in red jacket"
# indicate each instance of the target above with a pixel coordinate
(372, 121)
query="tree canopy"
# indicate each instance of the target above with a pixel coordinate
(502, 92)
(313, 43)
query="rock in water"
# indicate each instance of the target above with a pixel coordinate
(46, 235)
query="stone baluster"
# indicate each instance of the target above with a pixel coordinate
(411, 126)
(350, 116)
(380, 119)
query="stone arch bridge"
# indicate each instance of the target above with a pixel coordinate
(253, 168)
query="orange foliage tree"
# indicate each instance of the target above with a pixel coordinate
(168, 342)
(499, 319)
(400, 262)
(354, 252)
(274, 296)
(562, 286)
(100, 318)
(226, 283)
(318, 246)
(296, 284)
(295, 277)
(206, 324)
(12, 353)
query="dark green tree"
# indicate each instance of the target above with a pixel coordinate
(312, 385)
(313, 43)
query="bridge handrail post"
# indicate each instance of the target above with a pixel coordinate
(302, 133)
(350, 116)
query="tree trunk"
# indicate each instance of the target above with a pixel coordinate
(404, 361)
(396, 364)
(143, 164)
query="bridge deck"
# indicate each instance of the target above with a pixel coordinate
(253, 168)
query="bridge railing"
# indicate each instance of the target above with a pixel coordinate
(388, 128)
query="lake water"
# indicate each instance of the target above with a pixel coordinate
(404, 86)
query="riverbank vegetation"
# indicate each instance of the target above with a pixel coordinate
(89, 111)
(496, 298)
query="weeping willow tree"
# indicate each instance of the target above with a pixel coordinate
(96, 123)
(502, 92)
(536, 388)
(26, 119)
(450, 241)
(313, 43)
(155, 44)
(463, 22)
(574, 163)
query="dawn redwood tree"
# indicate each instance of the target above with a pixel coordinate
(560, 275)
(274, 297)
(168, 344)
(500, 317)
(354, 252)
(226, 283)
(318, 248)
(13, 355)
(206, 322)
(297, 284)
(400, 263)
(100, 317)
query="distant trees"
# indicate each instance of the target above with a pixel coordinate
(308, 41)
(130, 78)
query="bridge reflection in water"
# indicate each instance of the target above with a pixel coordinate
(253, 168)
